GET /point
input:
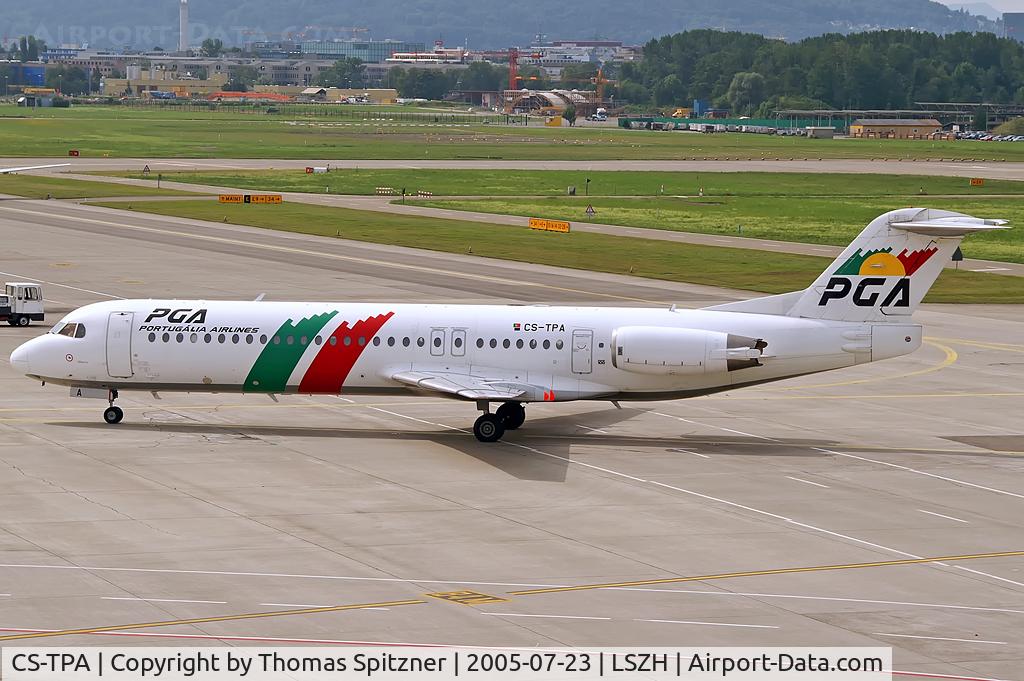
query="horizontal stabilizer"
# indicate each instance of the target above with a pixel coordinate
(959, 225)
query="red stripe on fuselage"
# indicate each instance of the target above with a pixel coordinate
(332, 363)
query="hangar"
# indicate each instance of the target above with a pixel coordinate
(895, 128)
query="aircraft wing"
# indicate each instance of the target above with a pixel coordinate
(7, 171)
(461, 385)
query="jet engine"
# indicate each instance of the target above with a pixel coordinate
(670, 351)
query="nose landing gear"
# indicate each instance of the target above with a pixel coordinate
(113, 414)
(491, 427)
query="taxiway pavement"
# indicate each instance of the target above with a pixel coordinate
(205, 507)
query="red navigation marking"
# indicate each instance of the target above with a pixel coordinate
(332, 363)
(912, 261)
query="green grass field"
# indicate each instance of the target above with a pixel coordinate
(381, 134)
(729, 267)
(833, 220)
(41, 187)
(602, 183)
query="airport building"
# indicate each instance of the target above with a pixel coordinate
(369, 51)
(144, 82)
(895, 128)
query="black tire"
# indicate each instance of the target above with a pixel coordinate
(23, 321)
(512, 415)
(113, 415)
(488, 428)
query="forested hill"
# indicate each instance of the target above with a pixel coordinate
(483, 23)
(883, 69)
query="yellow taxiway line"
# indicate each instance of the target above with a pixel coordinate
(207, 620)
(526, 592)
(758, 573)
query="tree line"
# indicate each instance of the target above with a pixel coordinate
(754, 75)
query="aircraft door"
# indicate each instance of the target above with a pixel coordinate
(119, 344)
(582, 351)
(437, 342)
(458, 342)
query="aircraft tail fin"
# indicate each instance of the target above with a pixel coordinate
(883, 274)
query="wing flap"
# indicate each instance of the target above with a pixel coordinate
(461, 385)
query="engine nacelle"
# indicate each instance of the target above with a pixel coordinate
(671, 351)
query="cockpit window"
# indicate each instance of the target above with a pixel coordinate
(70, 330)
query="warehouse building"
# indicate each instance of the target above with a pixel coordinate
(895, 128)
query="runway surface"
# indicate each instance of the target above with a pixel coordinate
(210, 507)
(946, 167)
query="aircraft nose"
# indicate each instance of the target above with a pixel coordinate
(19, 358)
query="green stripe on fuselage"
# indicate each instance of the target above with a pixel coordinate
(278, 360)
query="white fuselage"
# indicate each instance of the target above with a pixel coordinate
(554, 353)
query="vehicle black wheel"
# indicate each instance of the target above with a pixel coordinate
(488, 428)
(23, 321)
(512, 415)
(113, 415)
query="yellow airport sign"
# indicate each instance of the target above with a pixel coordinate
(549, 225)
(250, 198)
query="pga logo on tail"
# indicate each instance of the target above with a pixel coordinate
(877, 267)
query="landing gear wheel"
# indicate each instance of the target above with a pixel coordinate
(113, 415)
(488, 428)
(23, 321)
(512, 415)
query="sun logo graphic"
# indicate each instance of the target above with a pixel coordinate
(873, 269)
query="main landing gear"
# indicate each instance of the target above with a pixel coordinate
(113, 414)
(491, 427)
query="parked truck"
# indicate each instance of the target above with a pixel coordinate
(21, 303)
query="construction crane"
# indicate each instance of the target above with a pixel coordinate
(513, 66)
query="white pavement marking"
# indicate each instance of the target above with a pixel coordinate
(276, 575)
(159, 600)
(708, 425)
(867, 601)
(687, 451)
(941, 638)
(53, 283)
(947, 517)
(734, 504)
(992, 269)
(920, 472)
(808, 482)
(554, 617)
(593, 430)
(712, 624)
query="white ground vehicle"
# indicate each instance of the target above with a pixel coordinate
(21, 303)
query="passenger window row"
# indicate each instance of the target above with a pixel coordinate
(391, 341)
